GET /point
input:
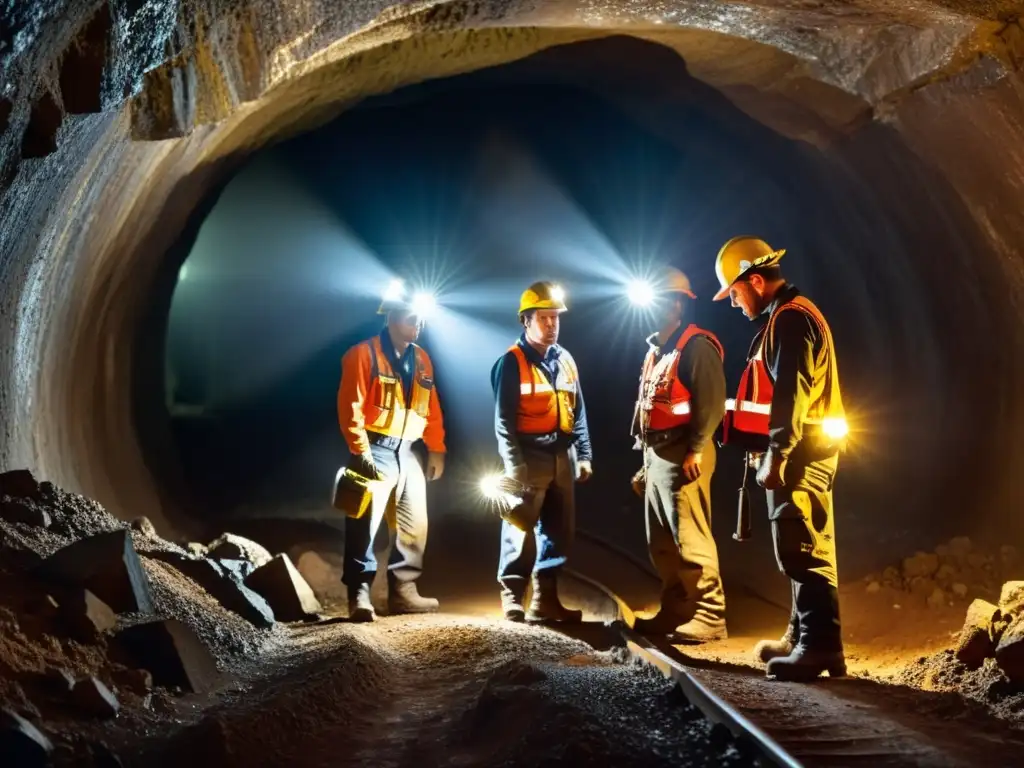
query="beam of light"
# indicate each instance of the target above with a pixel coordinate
(531, 219)
(424, 305)
(270, 255)
(558, 294)
(395, 291)
(640, 292)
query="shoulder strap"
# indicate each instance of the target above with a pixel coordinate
(693, 331)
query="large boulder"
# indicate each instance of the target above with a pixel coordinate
(106, 565)
(232, 547)
(1011, 599)
(283, 587)
(975, 642)
(1010, 651)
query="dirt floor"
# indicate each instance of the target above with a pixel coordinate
(465, 688)
(445, 690)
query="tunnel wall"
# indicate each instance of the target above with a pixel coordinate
(92, 205)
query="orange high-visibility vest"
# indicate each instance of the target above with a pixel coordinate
(748, 416)
(544, 408)
(371, 400)
(664, 400)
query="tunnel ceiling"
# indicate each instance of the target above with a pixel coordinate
(118, 119)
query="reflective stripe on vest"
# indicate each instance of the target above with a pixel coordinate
(386, 410)
(749, 414)
(664, 400)
(544, 408)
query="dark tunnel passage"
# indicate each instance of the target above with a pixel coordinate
(490, 180)
(200, 204)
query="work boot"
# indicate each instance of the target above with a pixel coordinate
(403, 597)
(766, 650)
(545, 605)
(360, 608)
(512, 605)
(700, 630)
(662, 623)
(805, 664)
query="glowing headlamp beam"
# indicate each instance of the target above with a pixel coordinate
(640, 293)
(423, 304)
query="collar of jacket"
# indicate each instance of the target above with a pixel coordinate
(554, 352)
(785, 294)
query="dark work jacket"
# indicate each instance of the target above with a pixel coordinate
(791, 363)
(505, 382)
(701, 371)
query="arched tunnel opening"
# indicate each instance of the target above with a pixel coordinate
(176, 335)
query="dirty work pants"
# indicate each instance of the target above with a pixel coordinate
(401, 499)
(679, 536)
(803, 531)
(547, 544)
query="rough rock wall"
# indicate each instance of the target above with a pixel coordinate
(119, 118)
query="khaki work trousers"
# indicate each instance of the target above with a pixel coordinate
(682, 548)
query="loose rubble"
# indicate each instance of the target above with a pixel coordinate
(98, 616)
(987, 662)
(954, 573)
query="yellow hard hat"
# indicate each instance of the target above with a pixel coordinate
(739, 256)
(542, 295)
(676, 281)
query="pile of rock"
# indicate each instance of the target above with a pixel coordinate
(95, 612)
(996, 632)
(955, 571)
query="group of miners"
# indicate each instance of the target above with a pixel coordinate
(787, 418)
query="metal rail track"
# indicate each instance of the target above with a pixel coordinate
(713, 706)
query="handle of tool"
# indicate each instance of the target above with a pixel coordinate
(743, 507)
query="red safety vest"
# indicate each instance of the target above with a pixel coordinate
(747, 417)
(543, 408)
(386, 410)
(664, 402)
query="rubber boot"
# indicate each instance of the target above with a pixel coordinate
(805, 664)
(403, 597)
(512, 605)
(360, 607)
(544, 603)
(820, 646)
(766, 650)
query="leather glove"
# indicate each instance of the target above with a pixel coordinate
(435, 465)
(363, 465)
(691, 466)
(769, 476)
(584, 471)
(640, 482)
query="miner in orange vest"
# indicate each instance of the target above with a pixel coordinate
(788, 416)
(387, 402)
(678, 410)
(544, 443)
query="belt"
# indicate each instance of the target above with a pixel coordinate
(663, 437)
